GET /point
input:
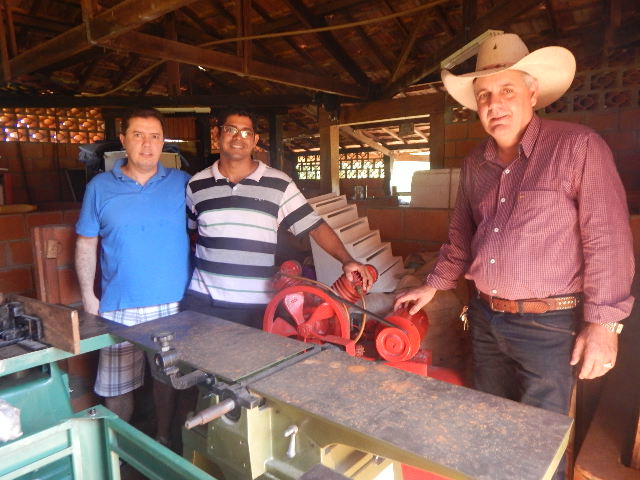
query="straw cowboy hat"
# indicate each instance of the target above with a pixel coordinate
(553, 67)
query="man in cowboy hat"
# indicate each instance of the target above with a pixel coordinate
(540, 226)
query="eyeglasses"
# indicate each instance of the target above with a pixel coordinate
(244, 132)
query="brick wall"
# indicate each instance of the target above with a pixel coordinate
(16, 256)
(408, 229)
(620, 129)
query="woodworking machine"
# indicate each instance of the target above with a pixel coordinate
(272, 407)
(269, 407)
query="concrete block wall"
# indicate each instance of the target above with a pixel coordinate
(16, 255)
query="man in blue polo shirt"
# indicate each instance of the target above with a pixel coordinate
(136, 214)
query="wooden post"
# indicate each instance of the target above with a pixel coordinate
(276, 153)
(4, 52)
(436, 140)
(329, 153)
(13, 50)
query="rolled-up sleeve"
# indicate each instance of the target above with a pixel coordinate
(605, 233)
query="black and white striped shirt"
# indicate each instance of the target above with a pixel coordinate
(237, 231)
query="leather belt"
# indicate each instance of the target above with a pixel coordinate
(531, 305)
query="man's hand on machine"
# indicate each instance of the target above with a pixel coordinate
(351, 267)
(414, 299)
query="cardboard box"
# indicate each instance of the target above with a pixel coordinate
(169, 160)
(436, 188)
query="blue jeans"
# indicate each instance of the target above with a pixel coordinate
(525, 357)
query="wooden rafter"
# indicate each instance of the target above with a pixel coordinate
(366, 140)
(11, 31)
(329, 42)
(378, 55)
(125, 16)
(149, 45)
(392, 134)
(172, 68)
(496, 17)
(419, 24)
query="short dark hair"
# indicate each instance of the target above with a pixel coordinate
(224, 114)
(141, 112)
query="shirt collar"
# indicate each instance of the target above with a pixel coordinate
(527, 142)
(256, 175)
(119, 174)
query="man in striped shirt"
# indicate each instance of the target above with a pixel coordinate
(236, 206)
(541, 227)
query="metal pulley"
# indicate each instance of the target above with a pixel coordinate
(402, 341)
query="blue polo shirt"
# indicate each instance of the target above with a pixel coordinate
(143, 234)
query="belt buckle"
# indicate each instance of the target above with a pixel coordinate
(495, 309)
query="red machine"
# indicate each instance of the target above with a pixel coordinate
(312, 312)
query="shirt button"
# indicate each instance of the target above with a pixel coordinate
(494, 291)
(496, 229)
(235, 188)
(507, 171)
(493, 260)
(502, 200)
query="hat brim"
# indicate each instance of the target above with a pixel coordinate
(553, 68)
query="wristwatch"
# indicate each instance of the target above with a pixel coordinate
(615, 327)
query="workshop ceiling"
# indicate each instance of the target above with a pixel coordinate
(358, 50)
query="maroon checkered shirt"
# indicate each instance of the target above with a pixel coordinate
(553, 222)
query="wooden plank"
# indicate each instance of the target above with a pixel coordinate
(157, 47)
(60, 324)
(47, 286)
(395, 109)
(419, 24)
(123, 17)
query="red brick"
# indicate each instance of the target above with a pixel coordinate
(453, 162)
(449, 149)
(404, 248)
(12, 227)
(16, 280)
(20, 253)
(69, 288)
(387, 220)
(463, 147)
(455, 131)
(43, 218)
(426, 224)
(476, 130)
(621, 141)
(630, 119)
(602, 122)
(635, 230)
(3, 255)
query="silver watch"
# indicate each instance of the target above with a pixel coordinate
(615, 327)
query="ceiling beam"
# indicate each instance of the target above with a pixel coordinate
(496, 18)
(361, 137)
(51, 101)
(125, 16)
(329, 42)
(152, 46)
(415, 106)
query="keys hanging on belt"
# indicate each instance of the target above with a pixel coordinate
(464, 318)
